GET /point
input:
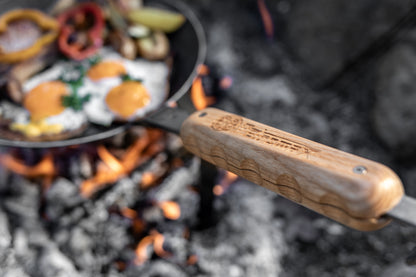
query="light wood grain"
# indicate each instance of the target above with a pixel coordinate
(311, 174)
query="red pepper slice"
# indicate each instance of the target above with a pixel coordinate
(69, 42)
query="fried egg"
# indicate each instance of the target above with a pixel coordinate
(44, 113)
(113, 98)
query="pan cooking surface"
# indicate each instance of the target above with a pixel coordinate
(188, 50)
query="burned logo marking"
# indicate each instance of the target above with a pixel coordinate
(252, 131)
(226, 123)
(255, 132)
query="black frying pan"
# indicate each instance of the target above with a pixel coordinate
(188, 48)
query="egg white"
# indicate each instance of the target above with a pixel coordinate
(154, 76)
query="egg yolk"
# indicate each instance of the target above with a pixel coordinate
(45, 100)
(106, 69)
(37, 128)
(126, 98)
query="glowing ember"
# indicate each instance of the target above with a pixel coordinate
(156, 239)
(226, 83)
(138, 226)
(266, 17)
(225, 182)
(198, 96)
(171, 210)
(193, 259)
(148, 179)
(172, 104)
(218, 190)
(129, 213)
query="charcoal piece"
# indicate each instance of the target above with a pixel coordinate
(62, 196)
(9, 266)
(24, 198)
(247, 240)
(123, 194)
(177, 246)
(79, 241)
(25, 254)
(79, 246)
(153, 214)
(399, 269)
(301, 228)
(5, 236)
(53, 263)
(173, 185)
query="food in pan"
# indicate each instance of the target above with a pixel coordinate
(44, 115)
(124, 90)
(92, 63)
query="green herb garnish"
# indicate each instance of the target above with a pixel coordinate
(75, 101)
(95, 60)
(75, 79)
(127, 77)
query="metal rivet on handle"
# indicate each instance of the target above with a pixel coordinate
(360, 169)
(202, 114)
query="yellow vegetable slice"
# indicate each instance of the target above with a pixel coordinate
(157, 19)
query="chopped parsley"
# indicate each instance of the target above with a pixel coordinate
(75, 101)
(127, 77)
(75, 79)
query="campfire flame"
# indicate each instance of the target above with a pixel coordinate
(225, 182)
(111, 169)
(45, 168)
(266, 18)
(198, 96)
(171, 209)
(156, 239)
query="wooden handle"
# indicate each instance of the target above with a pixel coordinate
(347, 188)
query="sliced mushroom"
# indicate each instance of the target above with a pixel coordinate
(123, 44)
(154, 47)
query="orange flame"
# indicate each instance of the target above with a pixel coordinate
(111, 169)
(171, 209)
(156, 239)
(198, 97)
(225, 182)
(266, 17)
(45, 168)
